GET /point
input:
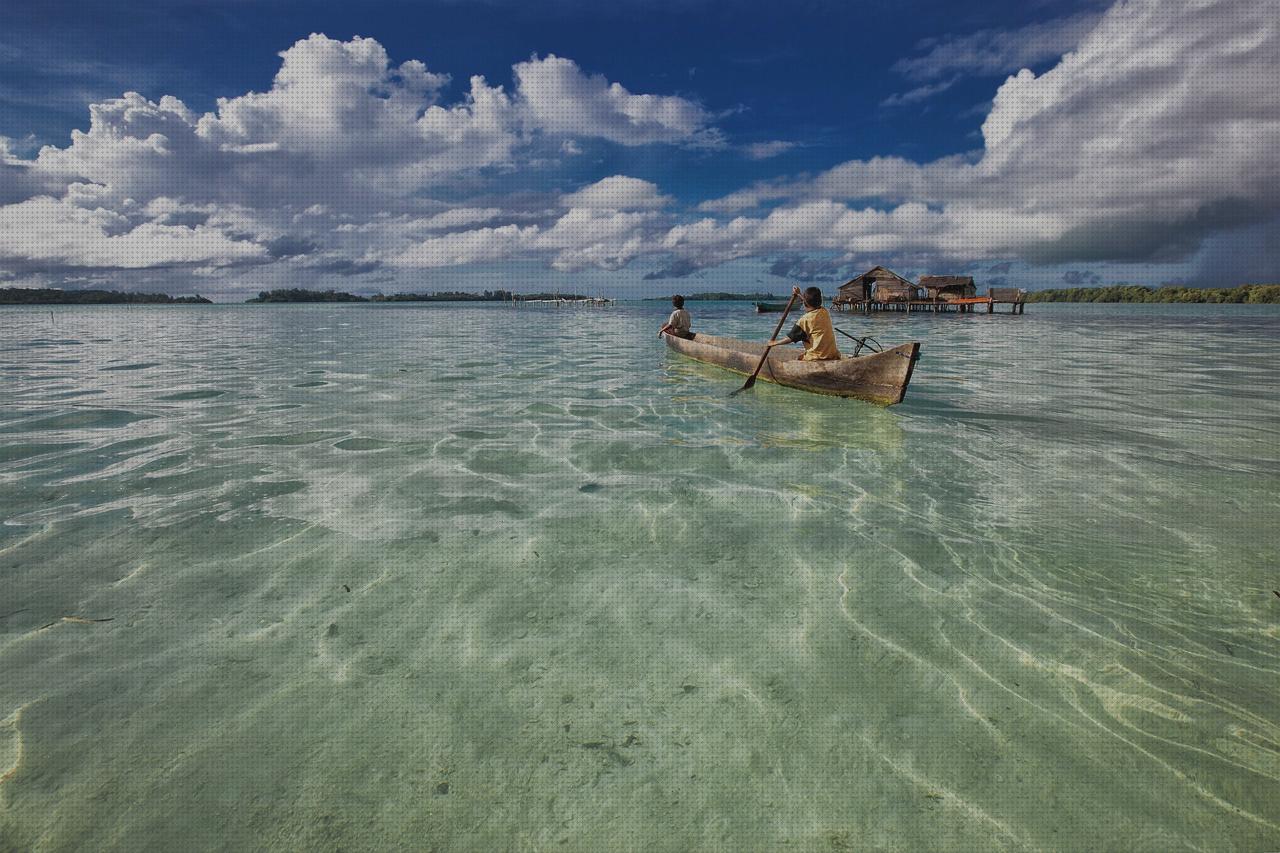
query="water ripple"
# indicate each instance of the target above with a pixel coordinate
(456, 569)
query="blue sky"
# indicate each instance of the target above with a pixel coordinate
(636, 149)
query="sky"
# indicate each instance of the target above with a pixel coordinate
(636, 148)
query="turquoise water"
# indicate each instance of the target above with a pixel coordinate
(483, 578)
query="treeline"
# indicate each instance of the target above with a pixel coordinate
(462, 296)
(52, 296)
(300, 294)
(445, 296)
(720, 296)
(1254, 294)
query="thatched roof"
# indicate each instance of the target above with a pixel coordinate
(875, 275)
(945, 280)
(896, 291)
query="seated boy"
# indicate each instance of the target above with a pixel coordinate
(679, 322)
(814, 329)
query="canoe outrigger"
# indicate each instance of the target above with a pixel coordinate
(879, 377)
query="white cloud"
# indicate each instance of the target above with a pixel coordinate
(751, 197)
(765, 150)
(998, 51)
(17, 179)
(918, 94)
(618, 193)
(581, 237)
(330, 100)
(468, 247)
(459, 217)
(480, 132)
(57, 232)
(1161, 127)
(339, 154)
(829, 226)
(607, 239)
(564, 100)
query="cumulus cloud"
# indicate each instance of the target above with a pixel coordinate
(1160, 128)
(618, 193)
(581, 237)
(854, 232)
(338, 157)
(562, 99)
(59, 233)
(477, 245)
(18, 180)
(457, 217)
(607, 239)
(325, 90)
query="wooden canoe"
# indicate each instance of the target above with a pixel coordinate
(880, 377)
(768, 307)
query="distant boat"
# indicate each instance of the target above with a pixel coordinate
(880, 377)
(769, 307)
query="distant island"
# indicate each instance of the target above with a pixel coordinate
(719, 296)
(52, 296)
(447, 296)
(299, 294)
(1254, 294)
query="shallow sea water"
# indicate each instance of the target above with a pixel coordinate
(482, 578)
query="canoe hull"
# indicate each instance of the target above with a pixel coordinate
(876, 378)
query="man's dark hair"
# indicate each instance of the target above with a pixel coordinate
(677, 301)
(813, 297)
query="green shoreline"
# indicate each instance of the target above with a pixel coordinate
(51, 296)
(718, 296)
(1250, 294)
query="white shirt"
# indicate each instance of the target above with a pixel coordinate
(680, 320)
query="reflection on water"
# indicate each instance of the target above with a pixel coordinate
(371, 577)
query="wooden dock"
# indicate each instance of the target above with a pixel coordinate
(1015, 299)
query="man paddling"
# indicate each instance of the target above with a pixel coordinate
(679, 323)
(814, 329)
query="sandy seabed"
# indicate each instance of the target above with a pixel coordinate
(449, 578)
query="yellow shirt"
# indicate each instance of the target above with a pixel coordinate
(820, 335)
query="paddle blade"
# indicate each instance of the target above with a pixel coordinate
(750, 382)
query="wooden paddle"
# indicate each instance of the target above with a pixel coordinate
(765, 357)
